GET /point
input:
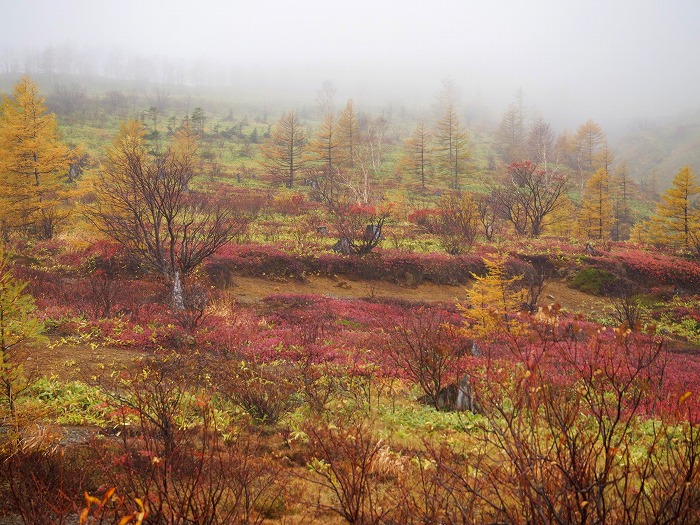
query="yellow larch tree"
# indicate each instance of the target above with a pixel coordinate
(493, 300)
(324, 146)
(676, 221)
(33, 163)
(348, 137)
(596, 218)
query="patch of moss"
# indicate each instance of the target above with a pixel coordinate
(594, 281)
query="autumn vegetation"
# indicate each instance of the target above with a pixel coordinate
(127, 228)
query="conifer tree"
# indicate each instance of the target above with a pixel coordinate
(510, 137)
(494, 299)
(596, 218)
(18, 327)
(589, 146)
(452, 145)
(33, 162)
(324, 145)
(284, 151)
(622, 189)
(348, 137)
(677, 217)
(418, 153)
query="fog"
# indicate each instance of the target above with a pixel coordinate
(613, 61)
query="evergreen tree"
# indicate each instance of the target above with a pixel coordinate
(33, 164)
(622, 188)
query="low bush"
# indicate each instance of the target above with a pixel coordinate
(594, 281)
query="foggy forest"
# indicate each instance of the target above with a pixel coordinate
(369, 263)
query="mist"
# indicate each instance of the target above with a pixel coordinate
(615, 62)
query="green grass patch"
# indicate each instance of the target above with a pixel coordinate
(593, 281)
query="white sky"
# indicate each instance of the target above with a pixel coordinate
(637, 57)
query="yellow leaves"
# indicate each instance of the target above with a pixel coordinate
(596, 218)
(494, 299)
(684, 397)
(135, 517)
(33, 161)
(677, 216)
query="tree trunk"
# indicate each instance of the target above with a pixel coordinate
(178, 292)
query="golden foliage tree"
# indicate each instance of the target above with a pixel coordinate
(33, 163)
(18, 327)
(323, 146)
(284, 151)
(494, 299)
(676, 221)
(596, 218)
(590, 147)
(348, 136)
(622, 191)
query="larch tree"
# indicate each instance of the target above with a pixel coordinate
(284, 152)
(596, 217)
(33, 164)
(348, 137)
(324, 145)
(589, 145)
(676, 221)
(148, 204)
(622, 188)
(451, 144)
(510, 136)
(417, 155)
(565, 149)
(494, 299)
(18, 328)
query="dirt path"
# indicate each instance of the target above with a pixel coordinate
(250, 289)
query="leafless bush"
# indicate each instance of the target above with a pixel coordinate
(345, 456)
(264, 390)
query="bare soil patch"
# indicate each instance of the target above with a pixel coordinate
(78, 362)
